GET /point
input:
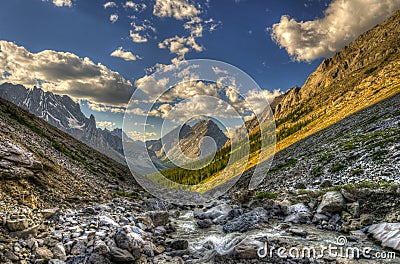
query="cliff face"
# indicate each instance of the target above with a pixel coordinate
(361, 74)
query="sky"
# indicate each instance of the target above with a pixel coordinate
(98, 51)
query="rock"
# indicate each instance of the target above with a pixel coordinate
(101, 248)
(179, 244)
(326, 183)
(298, 213)
(247, 249)
(387, 233)
(106, 221)
(318, 218)
(206, 223)
(159, 218)
(332, 202)
(79, 248)
(246, 221)
(27, 232)
(48, 213)
(218, 211)
(44, 253)
(127, 239)
(96, 258)
(354, 209)
(120, 255)
(366, 219)
(17, 224)
(59, 252)
(298, 232)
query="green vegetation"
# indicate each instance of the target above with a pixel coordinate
(7, 176)
(290, 163)
(337, 167)
(317, 171)
(267, 195)
(127, 194)
(285, 131)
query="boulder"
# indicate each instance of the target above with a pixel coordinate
(332, 202)
(43, 253)
(120, 255)
(48, 213)
(387, 233)
(179, 244)
(159, 218)
(246, 221)
(298, 213)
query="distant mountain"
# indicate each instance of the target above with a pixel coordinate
(65, 114)
(186, 140)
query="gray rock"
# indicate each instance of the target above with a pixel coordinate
(159, 218)
(246, 221)
(332, 202)
(298, 213)
(179, 244)
(387, 233)
(120, 255)
(206, 223)
(59, 252)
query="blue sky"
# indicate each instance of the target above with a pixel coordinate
(233, 31)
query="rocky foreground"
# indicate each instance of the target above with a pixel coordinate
(229, 230)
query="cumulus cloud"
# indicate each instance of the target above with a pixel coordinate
(180, 45)
(109, 4)
(105, 108)
(136, 37)
(255, 99)
(63, 73)
(113, 18)
(178, 9)
(342, 22)
(136, 7)
(61, 3)
(106, 124)
(142, 136)
(200, 106)
(126, 55)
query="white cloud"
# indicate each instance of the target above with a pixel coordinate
(113, 18)
(126, 55)
(63, 73)
(142, 136)
(200, 106)
(178, 9)
(106, 124)
(109, 4)
(136, 37)
(343, 21)
(180, 45)
(61, 3)
(105, 108)
(136, 7)
(256, 99)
